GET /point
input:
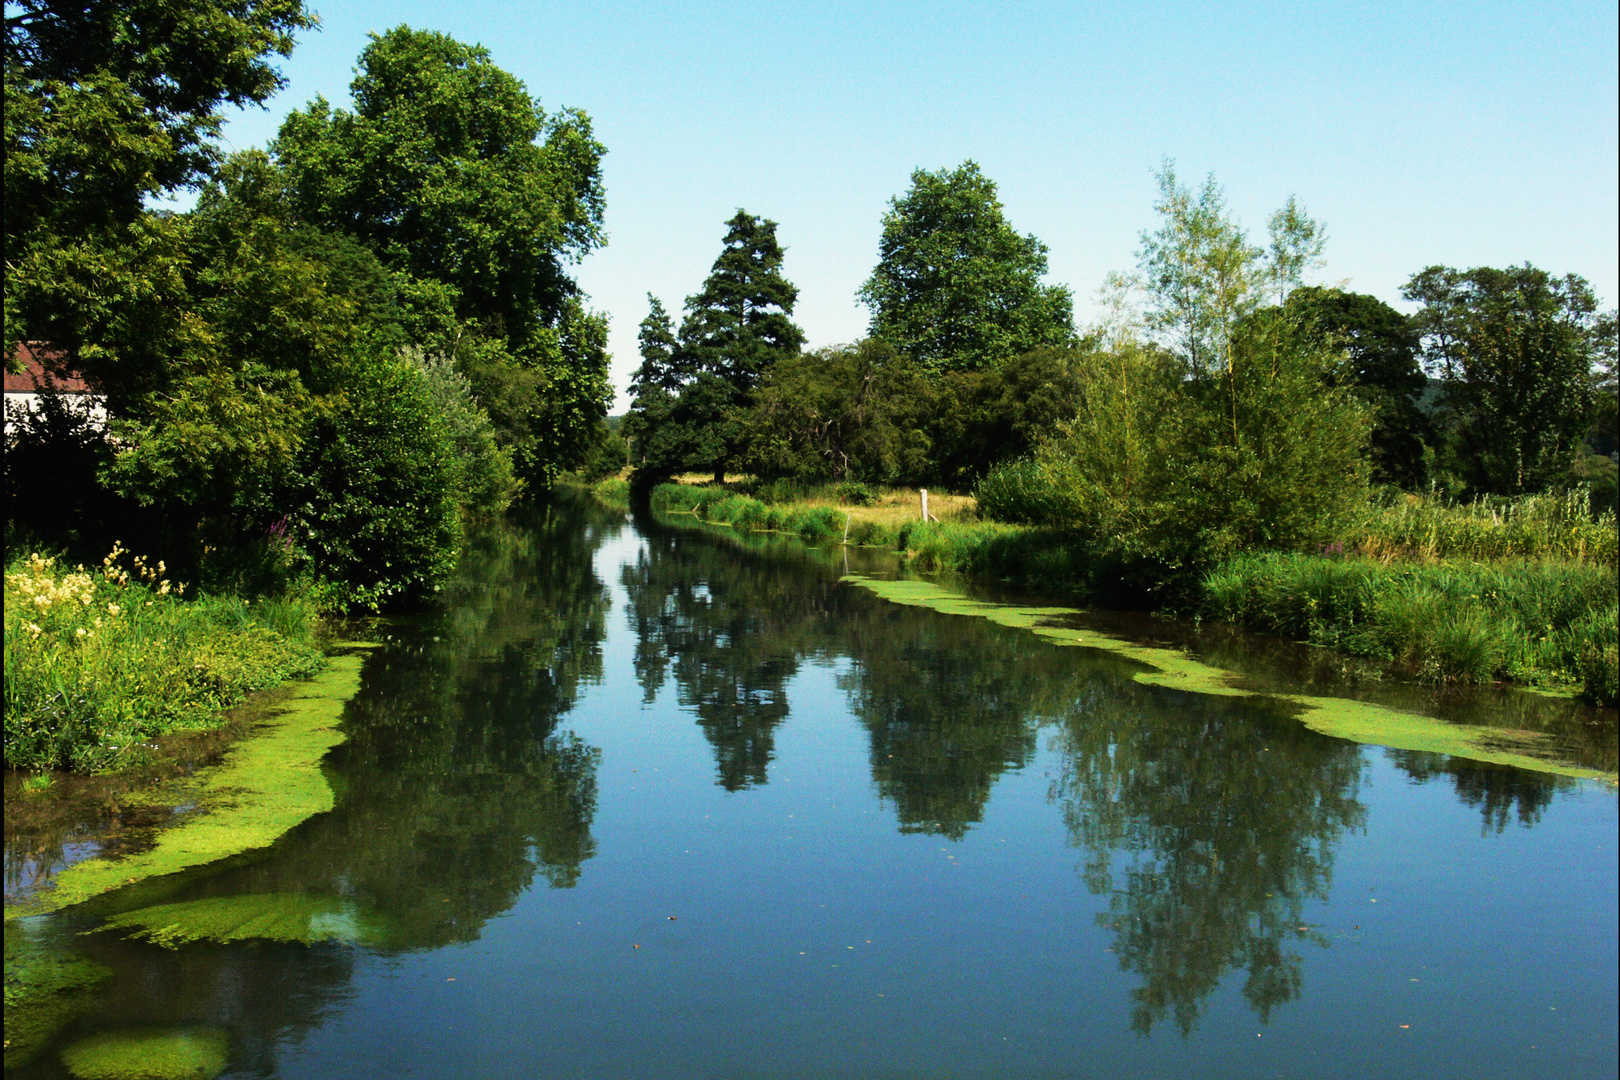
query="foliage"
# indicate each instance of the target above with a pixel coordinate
(693, 392)
(955, 288)
(1021, 493)
(1383, 373)
(855, 493)
(1527, 621)
(478, 201)
(99, 118)
(480, 469)
(449, 171)
(1201, 275)
(96, 662)
(839, 413)
(1516, 350)
(608, 454)
(378, 518)
(1265, 454)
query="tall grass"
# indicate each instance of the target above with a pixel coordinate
(96, 661)
(1534, 622)
(1552, 526)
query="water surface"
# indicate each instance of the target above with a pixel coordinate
(642, 802)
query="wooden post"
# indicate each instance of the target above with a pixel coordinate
(846, 528)
(925, 503)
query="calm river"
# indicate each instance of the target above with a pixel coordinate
(642, 802)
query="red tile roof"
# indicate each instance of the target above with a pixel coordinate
(36, 375)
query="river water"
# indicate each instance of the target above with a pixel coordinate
(641, 802)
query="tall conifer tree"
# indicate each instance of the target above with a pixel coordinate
(735, 329)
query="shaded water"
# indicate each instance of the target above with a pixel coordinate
(641, 802)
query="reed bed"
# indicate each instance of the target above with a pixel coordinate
(99, 661)
(1558, 526)
(1536, 622)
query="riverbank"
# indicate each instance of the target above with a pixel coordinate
(100, 661)
(1549, 622)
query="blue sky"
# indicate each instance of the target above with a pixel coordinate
(1462, 134)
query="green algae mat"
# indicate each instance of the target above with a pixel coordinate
(268, 783)
(1345, 718)
(148, 1054)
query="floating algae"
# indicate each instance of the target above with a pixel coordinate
(47, 985)
(149, 1054)
(293, 917)
(267, 784)
(1345, 718)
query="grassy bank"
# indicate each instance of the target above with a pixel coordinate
(1524, 591)
(1536, 622)
(98, 661)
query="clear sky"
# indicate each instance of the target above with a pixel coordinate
(1461, 134)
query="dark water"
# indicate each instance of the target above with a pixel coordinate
(641, 803)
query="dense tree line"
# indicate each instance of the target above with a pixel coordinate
(1222, 404)
(357, 339)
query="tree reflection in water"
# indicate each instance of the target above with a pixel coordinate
(1208, 822)
(1499, 792)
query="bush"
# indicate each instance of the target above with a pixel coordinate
(1019, 493)
(96, 662)
(480, 469)
(1264, 454)
(855, 493)
(379, 519)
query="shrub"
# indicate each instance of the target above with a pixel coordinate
(1020, 493)
(855, 493)
(480, 469)
(379, 518)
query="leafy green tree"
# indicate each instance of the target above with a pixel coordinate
(734, 330)
(1516, 349)
(109, 103)
(1201, 275)
(378, 519)
(1175, 473)
(849, 412)
(465, 187)
(481, 470)
(955, 288)
(1383, 373)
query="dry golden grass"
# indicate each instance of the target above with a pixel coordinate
(894, 506)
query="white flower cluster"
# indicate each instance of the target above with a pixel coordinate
(37, 584)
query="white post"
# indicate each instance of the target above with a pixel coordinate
(925, 503)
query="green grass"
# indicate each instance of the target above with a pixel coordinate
(99, 661)
(1543, 623)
